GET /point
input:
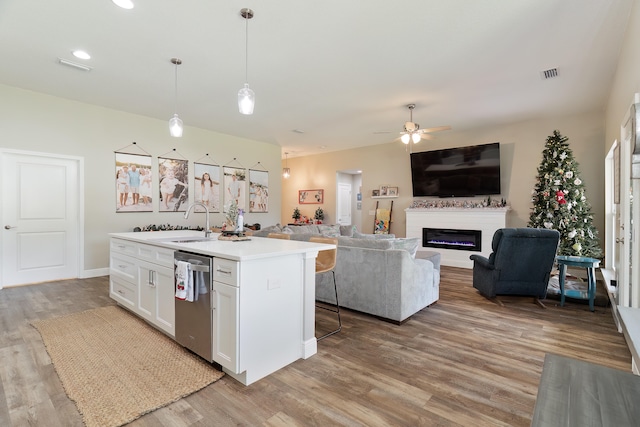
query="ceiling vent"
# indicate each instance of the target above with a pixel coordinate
(549, 74)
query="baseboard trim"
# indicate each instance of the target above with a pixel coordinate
(97, 272)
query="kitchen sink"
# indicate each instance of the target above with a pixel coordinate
(190, 239)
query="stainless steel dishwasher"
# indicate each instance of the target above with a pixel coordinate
(193, 318)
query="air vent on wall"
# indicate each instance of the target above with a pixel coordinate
(549, 74)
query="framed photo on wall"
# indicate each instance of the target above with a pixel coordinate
(207, 186)
(392, 191)
(133, 183)
(310, 197)
(258, 191)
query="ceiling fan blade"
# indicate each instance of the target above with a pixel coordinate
(427, 136)
(435, 129)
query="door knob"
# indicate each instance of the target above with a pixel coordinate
(8, 227)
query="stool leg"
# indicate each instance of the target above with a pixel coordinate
(563, 271)
(592, 287)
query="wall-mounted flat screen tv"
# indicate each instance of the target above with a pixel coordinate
(457, 172)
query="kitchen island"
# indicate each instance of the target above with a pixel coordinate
(264, 304)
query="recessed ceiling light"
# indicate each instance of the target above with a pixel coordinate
(81, 54)
(125, 4)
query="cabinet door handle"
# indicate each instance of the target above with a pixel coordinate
(151, 281)
(122, 267)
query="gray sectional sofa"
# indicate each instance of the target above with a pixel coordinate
(376, 274)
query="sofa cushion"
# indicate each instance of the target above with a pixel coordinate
(359, 235)
(352, 242)
(307, 228)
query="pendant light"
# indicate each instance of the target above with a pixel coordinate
(175, 124)
(246, 97)
(286, 172)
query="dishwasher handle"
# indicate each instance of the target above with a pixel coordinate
(195, 267)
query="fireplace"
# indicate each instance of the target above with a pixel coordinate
(444, 238)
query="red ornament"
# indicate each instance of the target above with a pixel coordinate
(560, 197)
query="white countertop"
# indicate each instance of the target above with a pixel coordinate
(255, 248)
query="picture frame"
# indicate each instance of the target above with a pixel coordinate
(311, 197)
(392, 191)
(134, 192)
(206, 185)
(383, 190)
(258, 191)
(375, 193)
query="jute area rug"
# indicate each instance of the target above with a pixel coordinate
(115, 367)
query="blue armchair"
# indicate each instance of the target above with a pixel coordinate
(520, 263)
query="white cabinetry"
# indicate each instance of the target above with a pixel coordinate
(262, 299)
(155, 295)
(225, 325)
(225, 305)
(142, 281)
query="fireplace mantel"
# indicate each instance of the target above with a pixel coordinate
(488, 220)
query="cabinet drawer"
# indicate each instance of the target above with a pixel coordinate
(226, 271)
(122, 292)
(124, 266)
(123, 247)
(156, 255)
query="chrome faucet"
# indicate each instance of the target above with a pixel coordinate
(207, 230)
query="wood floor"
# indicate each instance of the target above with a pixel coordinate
(464, 361)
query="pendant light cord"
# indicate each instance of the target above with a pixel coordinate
(176, 91)
(246, 49)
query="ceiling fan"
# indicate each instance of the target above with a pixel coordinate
(412, 131)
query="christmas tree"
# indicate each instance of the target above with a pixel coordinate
(559, 201)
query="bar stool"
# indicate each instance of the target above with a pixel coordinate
(325, 262)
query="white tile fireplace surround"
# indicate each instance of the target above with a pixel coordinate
(486, 220)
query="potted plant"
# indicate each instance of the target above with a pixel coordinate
(296, 214)
(319, 215)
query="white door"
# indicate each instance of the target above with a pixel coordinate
(40, 218)
(344, 204)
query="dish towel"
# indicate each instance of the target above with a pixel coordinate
(184, 281)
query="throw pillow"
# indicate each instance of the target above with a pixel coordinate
(348, 230)
(272, 229)
(409, 244)
(329, 230)
(287, 230)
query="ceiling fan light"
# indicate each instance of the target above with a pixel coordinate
(246, 100)
(175, 126)
(405, 138)
(415, 137)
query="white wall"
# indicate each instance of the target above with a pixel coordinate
(626, 81)
(35, 122)
(521, 153)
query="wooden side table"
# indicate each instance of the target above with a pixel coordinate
(578, 261)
